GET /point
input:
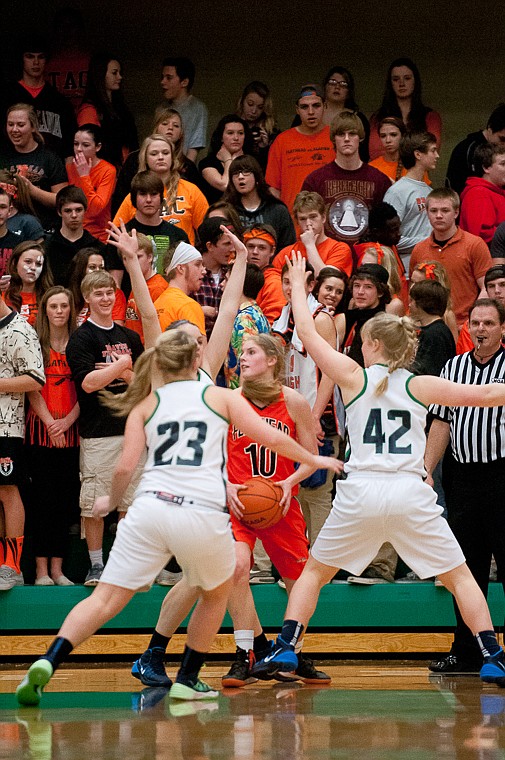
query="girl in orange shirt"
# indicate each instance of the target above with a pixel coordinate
(30, 278)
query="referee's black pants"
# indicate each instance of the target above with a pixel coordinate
(475, 496)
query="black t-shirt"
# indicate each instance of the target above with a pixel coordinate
(61, 251)
(87, 346)
(436, 346)
(7, 243)
(162, 235)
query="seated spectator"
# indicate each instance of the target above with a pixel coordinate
(483, 197)
(261, 243)
(167, 122)
(428, 305)
(95, 177)
(230, 139)
(30, 277)
(402, 98)
(55, 114)
(53, 441)
(39, 169)
(250, 195)
(381, 254)
(296, 152)
(461, 165)
(155, 283)
(465, 256)
(65, 243)
(87, 261)
(184, 204)
(104, 105)
(177, 81)
(250, 320)
(348, 187)
(419, 154)
(22, 220)
(309, 211)
(434, 271)
(256, 108)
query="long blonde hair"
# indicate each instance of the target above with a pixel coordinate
(173, 353)
(398, 336)
(266, 390)
(173, 180)
(384, 256)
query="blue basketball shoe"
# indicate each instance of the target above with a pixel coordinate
(281, 658)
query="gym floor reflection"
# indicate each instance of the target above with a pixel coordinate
(384, 711)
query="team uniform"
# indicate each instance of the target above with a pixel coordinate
(285, 543)
(179, 505)
(383, 497)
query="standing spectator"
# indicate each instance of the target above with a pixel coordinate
(184, 272)
(184, 204)
(465, 256)
(461, 164)
(85, 262)
(38, 169)
(217, 250)
(230, 139)
(155, 282)
(428, 304)
(348, 187)
(95, 177)
(65, 243)
(53, 440)
(256, 108)
(309, 211)
(104, 105)
(497, 247)
(418, 153)
(30, 277)
(21, 371)
(339, 95)
(299, 150)
(436, 272)
(8, 240)
(483, 197)
(54, 113)
(477, 454)
(101, 355)
(260, 242)
(250, 320)
(68, 64)
(178, 77)
(250, 195)
(403, 99)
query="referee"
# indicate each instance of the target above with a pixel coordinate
(474, 471)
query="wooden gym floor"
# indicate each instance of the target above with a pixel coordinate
(373, 709)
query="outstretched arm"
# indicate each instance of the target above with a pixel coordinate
(430, 389)
(344, 372)
(127, 246)
(219, 341)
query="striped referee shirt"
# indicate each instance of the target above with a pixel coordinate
(477, 434)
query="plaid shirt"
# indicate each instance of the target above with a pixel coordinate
(210, 294)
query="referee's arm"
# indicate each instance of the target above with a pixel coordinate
(438, 440)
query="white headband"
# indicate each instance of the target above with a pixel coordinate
(183, 254)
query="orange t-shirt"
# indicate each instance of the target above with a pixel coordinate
(98, 187)
(174, 304)
(29, 306)
(188, 214)
(156, 285)
(389, 168)
(333, 253)
(60, 396)
(271, 299)
(293, 156)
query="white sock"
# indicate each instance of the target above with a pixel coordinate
(96, 557)
(298, 646)
(244, 639)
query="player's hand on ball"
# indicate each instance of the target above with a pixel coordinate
(234, 503)
(101, 507)
(286, 495)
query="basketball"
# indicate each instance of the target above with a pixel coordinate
(261, 500)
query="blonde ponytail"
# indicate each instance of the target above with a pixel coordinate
(398, 336)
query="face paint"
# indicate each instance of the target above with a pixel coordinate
(34, 268)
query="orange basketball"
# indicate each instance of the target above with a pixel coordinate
(261, 500)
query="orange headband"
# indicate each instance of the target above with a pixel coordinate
(261, 235)
(365, 246)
